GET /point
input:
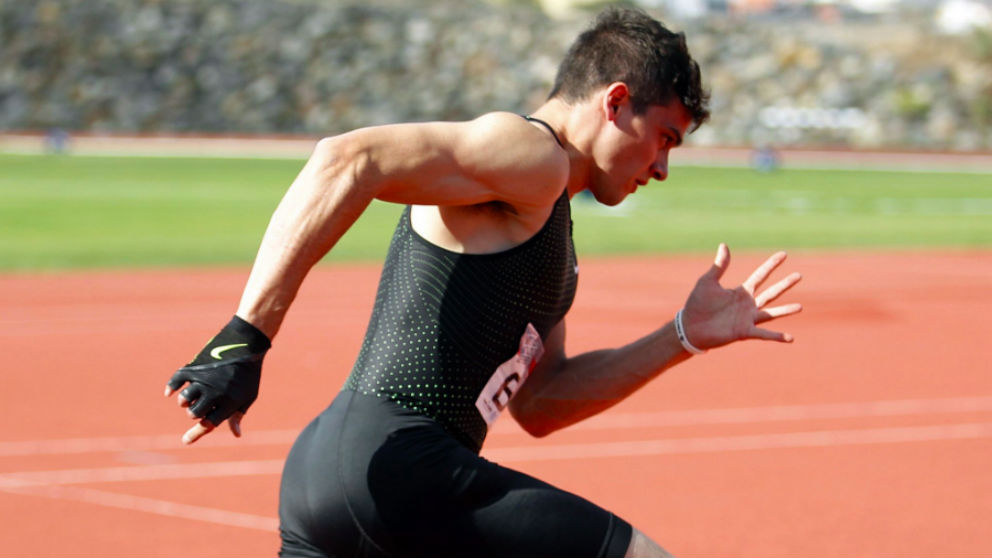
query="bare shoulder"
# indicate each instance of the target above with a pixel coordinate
(509, 152)
(516, 136)
(497, 157)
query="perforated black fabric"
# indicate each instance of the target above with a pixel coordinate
(443, 322)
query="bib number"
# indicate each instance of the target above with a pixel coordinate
(509, 376)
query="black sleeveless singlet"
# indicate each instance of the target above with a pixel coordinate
(443, 322)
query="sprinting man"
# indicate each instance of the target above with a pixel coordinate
(469, 318)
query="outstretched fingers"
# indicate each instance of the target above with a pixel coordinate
(732, 315)
(764, 270)
(770, 294)
(776, 290)
(769, 335)
(777, 312)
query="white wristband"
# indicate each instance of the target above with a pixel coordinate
(680, 331)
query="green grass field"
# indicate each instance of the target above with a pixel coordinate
(64, 212)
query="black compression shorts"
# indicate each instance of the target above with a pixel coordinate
(370, 478)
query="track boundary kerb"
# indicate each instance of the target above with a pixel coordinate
(300, 147)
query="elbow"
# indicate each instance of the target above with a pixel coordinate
(538, 429)
(342, 155)
(535, 423)
(327, 151)
(332, 151)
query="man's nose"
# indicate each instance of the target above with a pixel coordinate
(659, 170)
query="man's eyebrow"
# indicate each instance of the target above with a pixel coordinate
(678, 136)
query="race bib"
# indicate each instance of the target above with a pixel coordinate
(509, 376)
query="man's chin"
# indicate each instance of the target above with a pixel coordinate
(612, 201)
(609, 197)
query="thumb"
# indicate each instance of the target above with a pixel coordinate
(720, 263)
(234, 422)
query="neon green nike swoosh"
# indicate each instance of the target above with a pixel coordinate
(216, 351)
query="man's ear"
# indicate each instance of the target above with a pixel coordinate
(616, 98)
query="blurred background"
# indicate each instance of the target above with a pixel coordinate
(867, 74)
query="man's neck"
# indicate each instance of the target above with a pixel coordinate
(575, 125)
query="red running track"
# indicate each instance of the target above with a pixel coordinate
(870, 435)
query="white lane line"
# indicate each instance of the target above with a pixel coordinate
(819, 438)
(150, 505)
(143, 443)
(608, 421)
(142, 473)
(822, 438)
(56, 484)
(746, 415)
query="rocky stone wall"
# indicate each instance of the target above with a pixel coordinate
(320, 67)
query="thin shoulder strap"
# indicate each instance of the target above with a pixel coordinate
(546, 125)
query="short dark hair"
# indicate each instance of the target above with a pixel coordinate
(625, 44)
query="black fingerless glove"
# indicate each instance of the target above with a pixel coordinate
(225, 376)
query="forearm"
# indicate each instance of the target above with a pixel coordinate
(327, 197)
(587, 384)
(563, 391)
